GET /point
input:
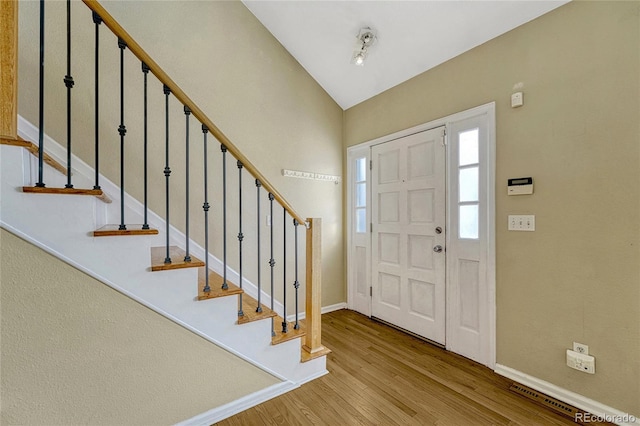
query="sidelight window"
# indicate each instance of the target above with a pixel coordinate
(361, 195)
(468, 184)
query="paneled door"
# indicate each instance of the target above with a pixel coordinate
(408, 233)
(469, 269)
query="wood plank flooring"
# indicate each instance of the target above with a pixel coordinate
(381, 376)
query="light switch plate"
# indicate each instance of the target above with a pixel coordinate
(520, 222)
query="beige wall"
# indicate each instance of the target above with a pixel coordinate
(239, 75)
(74, 352)
(577, 278)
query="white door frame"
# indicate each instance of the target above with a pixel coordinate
(489, 111)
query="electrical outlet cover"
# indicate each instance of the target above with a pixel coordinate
(584, 363)
(580, 348)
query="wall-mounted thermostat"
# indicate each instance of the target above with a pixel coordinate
(520, 186)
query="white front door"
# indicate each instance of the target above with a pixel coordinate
(408, 233)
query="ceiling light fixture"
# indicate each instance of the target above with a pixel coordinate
(365, 39)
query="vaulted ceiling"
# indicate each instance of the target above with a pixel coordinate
(412, 36)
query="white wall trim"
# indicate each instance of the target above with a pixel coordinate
(443, 121)
(227, 410)
(335, 307)
(323, 310)
(490, 110)
(572, 398)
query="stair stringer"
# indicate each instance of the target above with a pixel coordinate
(123, 262)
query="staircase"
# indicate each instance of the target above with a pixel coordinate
(154, 262)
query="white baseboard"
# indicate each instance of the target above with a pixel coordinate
(227, 410)
(335, 307)
(589, 405)
(323, 310)
(315, 376)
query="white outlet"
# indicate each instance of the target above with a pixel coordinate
(521, 222)
(580, 348)
(580, 362)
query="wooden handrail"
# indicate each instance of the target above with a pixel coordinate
(164, 78)
(9, 65)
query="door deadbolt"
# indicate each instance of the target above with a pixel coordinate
(438, 249)
(438, 230)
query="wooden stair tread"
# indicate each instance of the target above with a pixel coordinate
(33, 149)
(215, 282)
(112, 230)
(249, 306)
(291, 334)
(176, 254)
(15, 142)
(307, 356)
(68, 191)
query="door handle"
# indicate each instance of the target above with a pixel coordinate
(438, 230)
(438, 248)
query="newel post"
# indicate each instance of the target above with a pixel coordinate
(312, 344)
(9, 64)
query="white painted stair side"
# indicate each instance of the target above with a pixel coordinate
(62, 225)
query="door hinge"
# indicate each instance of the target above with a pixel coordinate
(371, 227)
(371, 291)
(370, 164)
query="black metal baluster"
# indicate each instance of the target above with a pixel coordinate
(223, 148)
(285, 324)
(40, 182)
(272, 262)
(122, 130)
(97, 20)
(258, 185)
(68, 82)
(145, 71)
(296, 283)
(187, 114)
(167, 170)
(205, 207)
(240, 236)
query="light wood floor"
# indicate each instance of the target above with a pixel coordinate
(378, 375)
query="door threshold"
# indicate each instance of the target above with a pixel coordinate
(411, 333)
